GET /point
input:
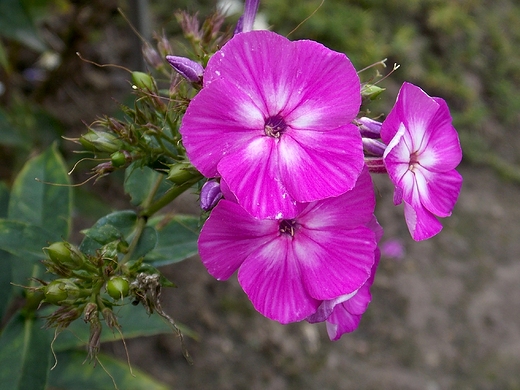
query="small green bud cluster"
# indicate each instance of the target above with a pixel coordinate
(91, 285)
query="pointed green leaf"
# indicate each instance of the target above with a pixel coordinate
(72, 373)
(177, 240)
(4, 199)
(6, 289)
(140, 180)
(26, 242)
(24, 354)
(146, 243)
(115, 226)
(45, 205)
(23, 239)
(16, 23)
(122, 221)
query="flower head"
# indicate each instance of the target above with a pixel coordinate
(274, 121)
(287, 267)
(422, 154)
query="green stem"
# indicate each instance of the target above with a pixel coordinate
(166, 199)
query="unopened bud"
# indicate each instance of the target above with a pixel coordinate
(143, 81)
(120, 158)
(60, 290)
(189, 69)
(371, 91)
(65, 255)
(152, 57)
(373, 147)
(181, 173)
(369, 128)
(118, 287)
(99, 141)
(210, 194)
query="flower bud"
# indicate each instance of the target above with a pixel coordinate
(152, 57)
(119, 159)
(210, 194)
(143, 81)
(118, 287)
(371, 91)
(58, 252)
(369, 128)
(181, 173)
(190, 70)
(65, 255)
(98, 141)
(60, 290)
(373, 147)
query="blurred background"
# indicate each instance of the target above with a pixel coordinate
(445, 314)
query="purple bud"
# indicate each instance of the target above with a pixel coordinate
(210, 194)
(189, 69)
(373, 147)
(152, 57)
(246, 21)
(368, 127)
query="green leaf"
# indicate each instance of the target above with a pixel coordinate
(45, 205)
(4, 199)
(26, 242)
(139, 181)
(115, 226)
(177, 240)
(9, 134)
(134, 321)
(122, 221)
(6, 289)
(24, 354)
(23, 239)
(72, 373)
(16, 23)
(146, 243)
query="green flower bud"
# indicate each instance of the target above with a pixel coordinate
(118, 159)
(60, 290)
(118, 287)
(98, 141)
(64, 255)
(58, 252)
(181, 173)
(143, 81)
(371, 91)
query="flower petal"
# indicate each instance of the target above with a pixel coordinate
(219, 120)
(271, 278)
(229, 236)
(253, 177)
(439, 191)
(320, 165)
(422, 224)
(334, 262)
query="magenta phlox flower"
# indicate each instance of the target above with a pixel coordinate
(343, 314)
(287, 267)
(273, 119)
(422, 154)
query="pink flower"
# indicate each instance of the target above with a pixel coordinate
(343, 314)
(287, 267)
(274, 121)
(422, 154)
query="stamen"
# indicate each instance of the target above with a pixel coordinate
(287, 226)
(275, 126)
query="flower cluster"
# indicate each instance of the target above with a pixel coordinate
(275, 128)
